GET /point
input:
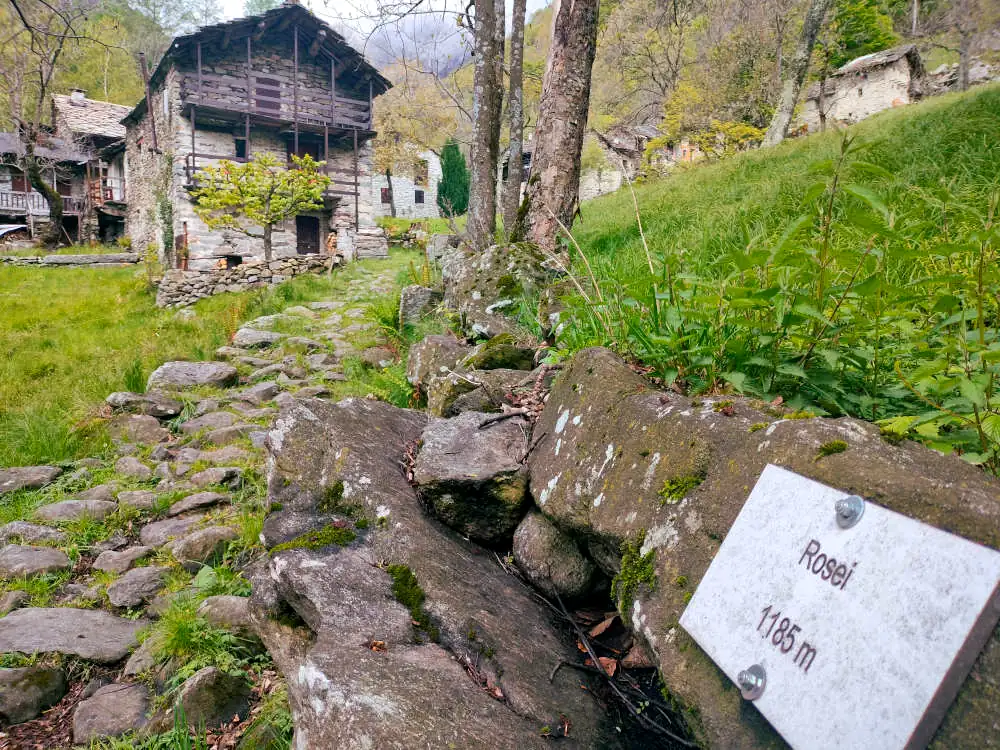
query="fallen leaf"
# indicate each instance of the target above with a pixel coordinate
(602, 626)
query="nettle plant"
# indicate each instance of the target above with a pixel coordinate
(882, 309)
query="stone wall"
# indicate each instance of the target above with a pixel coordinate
(404, 195)
(96, 259)
(181, 288)
(853, 97)
(598, 182)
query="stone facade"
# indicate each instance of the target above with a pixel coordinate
(181, 288)
(600, 181)
(405, 189)
(863, 87)
(161, 210)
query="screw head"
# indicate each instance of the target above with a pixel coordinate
(752, 682)
(849, 510)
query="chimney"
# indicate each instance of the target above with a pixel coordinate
(78, 98)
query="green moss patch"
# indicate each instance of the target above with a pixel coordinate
(676, 489)
(318, 539)
(407, 591)
(637, 570)
(831, 448)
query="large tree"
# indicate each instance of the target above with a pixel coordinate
(43, 31)
(515, 111)
(253, 197)
(554, 184)
(487, 91)
(796, 73)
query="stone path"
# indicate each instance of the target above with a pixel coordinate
(104, 547)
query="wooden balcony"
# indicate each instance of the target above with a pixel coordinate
(36, 205)
(272, 103)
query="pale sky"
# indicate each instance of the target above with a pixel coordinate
(359, 16)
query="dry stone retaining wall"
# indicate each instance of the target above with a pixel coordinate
(181, 288)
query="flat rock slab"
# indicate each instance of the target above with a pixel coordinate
(74, 510)
(30, 533)
(137, 586)
(202, 546)
(250, 338)
(210, 421)
(197, 501)
(230, 476)
(27, 477)
(151, 404)
(260, 393)
(138, 428)
(174, 375)
(158, 533)
(17, 560)
(90, 634)
(119, 562)
(26, 692)
(130, 466)
(112, 711)
(138, 499)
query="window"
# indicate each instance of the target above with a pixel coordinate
(420, 174)
(64, 187)
(18, 182)
(310, 148)
(241, 148)
(386, 196)
(418, 196)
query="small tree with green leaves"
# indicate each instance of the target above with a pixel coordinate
(253, 197)
(453, 189)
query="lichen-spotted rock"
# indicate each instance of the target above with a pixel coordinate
(175, 375)
(90, 634)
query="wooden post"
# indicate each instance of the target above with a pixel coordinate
(295, 89)
(333, 88)
(149, 98)
(371, 112)
(194, 120)
(249, 97)
(356, 191)
(326, 148)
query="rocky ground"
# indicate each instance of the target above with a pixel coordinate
(121, 576)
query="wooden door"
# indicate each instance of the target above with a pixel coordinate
(306, 234)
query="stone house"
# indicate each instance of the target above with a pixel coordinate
(281, 83)
(84, 156)
(414, 191)
(864, 86)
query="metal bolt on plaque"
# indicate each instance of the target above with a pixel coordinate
(849, 511)
(752, 682)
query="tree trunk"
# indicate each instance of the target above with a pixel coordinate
(33, 170)
(797, 68)
(515, 108)
(554, 185)
(915, 17)
(268, 228)
(487, 101)
(392, 194)
(964, 53)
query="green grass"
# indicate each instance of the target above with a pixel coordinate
(398, 226)
(71, 336)
(705, 211)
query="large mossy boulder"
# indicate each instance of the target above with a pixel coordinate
(623, 466)
(434, 645)
(486, 287)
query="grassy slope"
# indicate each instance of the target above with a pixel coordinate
(70, 335)
(708, 209)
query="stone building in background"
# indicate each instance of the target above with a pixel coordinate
(84, 160)
(864, 86)
(281, 83)
(414, 191)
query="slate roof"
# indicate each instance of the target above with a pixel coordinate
(90, 117)
(878, 59)
(56, 149)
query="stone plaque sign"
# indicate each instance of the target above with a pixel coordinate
(848, 636)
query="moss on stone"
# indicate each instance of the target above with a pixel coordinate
(721, 405)
(676, 489)
(319, 538)
(408, 592)
(799, 414)
(636, 570)
(756, 426)
(831, 448)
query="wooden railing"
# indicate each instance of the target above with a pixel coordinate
(342, 181)
(35, 203)
(315, 107)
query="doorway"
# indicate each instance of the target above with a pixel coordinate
(306, 235)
